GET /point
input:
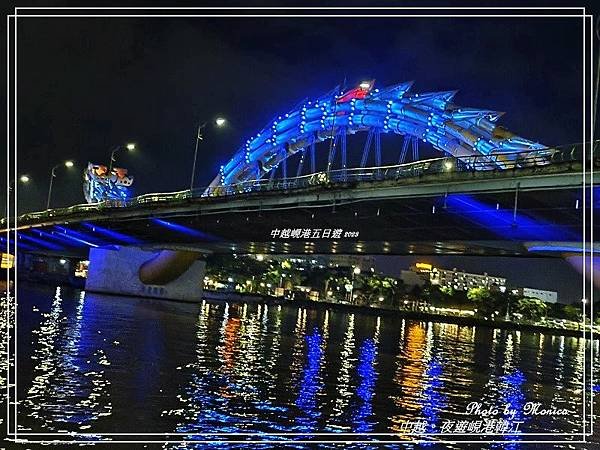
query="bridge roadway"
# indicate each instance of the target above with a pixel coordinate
(525, 211)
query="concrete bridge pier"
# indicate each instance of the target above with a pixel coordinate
(164, 274)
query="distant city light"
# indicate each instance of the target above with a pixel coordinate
(62, 261)
(356, 270)
(220, 121)
(24, 179)
(448, 165)
(260, 257)
(365, 85)
(69, 164)
(130, 146)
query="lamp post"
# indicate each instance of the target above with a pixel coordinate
(355, 271)
(130, 147)
(68, 165)
(219, 122)
(24, 179)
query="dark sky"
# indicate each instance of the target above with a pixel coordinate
(88, 84)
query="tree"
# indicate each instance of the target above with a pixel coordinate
(373, 287)
(435, 295)
(571, 312)
(531, 308)
(482, 300)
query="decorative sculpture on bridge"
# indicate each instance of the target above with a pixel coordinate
(429, 117)
(99, 184)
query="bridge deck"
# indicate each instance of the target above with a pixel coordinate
(447, 213)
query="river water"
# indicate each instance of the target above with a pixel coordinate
(95, 364)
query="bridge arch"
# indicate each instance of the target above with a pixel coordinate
(429, 117)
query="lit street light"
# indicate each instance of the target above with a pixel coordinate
(219, 122)
(355, 271)
(24, 179)
(130, 147)
(67, 164)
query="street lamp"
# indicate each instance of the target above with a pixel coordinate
(355, 271)
(68, 165)
(130, 147)
(22, 179)
(219, 122)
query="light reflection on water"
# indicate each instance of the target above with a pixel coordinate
(240, 368)
(66, 387)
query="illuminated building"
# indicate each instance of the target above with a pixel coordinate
(457, 279)
(463, 281)
(545, 296)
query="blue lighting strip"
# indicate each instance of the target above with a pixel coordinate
(40, 242)
(184, 230)
(22, 245)
(84, 237)
(74, 236)
(502, 223)
(111, 234)
(55, 236)
(561, 249)
(430, 117)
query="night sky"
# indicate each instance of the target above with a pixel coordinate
(86, 85)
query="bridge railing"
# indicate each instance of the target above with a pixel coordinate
(494, 162)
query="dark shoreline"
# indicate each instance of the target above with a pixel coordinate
(235, 297)
(213, 296)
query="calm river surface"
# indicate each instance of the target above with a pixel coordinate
(90, 363)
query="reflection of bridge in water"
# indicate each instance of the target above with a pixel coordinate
(489, 192)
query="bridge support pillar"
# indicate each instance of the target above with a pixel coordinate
(164, 274)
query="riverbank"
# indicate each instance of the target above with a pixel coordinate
(388, 312)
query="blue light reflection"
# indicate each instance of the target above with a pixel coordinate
(365, 390)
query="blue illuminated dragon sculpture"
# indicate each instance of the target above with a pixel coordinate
(100, 183)
(429, 117)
